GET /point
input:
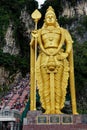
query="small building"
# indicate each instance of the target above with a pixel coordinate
(9, 119)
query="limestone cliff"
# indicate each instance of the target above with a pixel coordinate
(79, 9)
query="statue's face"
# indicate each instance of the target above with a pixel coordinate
(50, 19)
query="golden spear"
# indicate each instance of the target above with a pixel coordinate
(36, 15)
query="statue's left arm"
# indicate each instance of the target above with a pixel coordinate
(68, 42)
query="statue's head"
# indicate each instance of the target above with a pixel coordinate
(50, 17)
(50, 10)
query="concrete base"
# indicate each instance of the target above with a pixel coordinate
(35, 120)
(55, 127)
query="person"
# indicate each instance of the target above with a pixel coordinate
(52, 65)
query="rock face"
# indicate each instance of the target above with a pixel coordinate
(10, 46)
(26, 18)
(27, 21)
(5, 79)
(78, 10)
(4, 76)
(69, 11)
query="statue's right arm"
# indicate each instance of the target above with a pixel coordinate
(34, 35)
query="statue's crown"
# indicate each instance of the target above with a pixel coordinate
(50, 10)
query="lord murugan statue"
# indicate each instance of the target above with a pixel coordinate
(53, 67)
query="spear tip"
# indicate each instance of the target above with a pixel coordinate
(36, 15)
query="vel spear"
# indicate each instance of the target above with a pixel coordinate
(36, 15)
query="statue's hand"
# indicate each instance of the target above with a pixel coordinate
(34, 33)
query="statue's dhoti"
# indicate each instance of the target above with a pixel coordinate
(52, 80)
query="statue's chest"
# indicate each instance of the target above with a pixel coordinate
(51, 35)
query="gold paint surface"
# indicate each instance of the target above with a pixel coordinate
(53, 66)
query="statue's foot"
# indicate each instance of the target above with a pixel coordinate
(47, 112)
(59, 112)
(53, 112)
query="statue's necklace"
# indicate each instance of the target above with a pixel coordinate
(50, 29)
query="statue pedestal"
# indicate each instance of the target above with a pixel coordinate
(35, 120)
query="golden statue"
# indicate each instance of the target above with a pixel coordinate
(52, 68)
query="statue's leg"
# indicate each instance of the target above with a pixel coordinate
(58, 90)
(46, 85)
(64, 82)
(47, 97)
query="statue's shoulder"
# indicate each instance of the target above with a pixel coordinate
(66, 34)
(43, 31)
(63, 30)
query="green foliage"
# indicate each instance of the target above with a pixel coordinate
(13, 8)
(80, 56)
(14, 63)
(80, 30)
(31, 5)
(83, 22)
(22, 40)
(4, 21)
(9, 11)
(66, 21)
